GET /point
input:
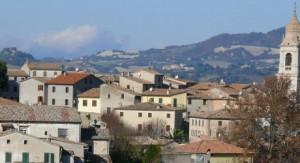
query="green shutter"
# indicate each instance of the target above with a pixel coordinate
(7, 157)
(46, 157)
(25, 158)
(52, 158)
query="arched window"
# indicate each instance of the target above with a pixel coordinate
(288, 59)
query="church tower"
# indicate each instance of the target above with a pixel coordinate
(289, 60)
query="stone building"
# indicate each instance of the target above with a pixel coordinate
(41, 69)
(89, 101)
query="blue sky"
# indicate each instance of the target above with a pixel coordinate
(71, 28)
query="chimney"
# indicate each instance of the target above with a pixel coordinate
(176, 77)
(151, 89)
(168, 91)
(65, 73)
(77, 69)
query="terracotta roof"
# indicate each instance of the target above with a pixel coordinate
(16, 72)
(203, 86)
(44, 66)
(136, 79)
(177, 80)
(42, 79)
(148, 106)
(6, 102)
(123, 89)
(38, 113)
(91, 93)
(150, 70)
(223, 114)
(163, 92)
(68, 78)
(239, 86)
(202, 146)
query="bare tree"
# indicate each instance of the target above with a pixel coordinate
(155, 128)
(270, 122)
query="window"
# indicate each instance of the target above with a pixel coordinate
(40, 87)
(48, 157)
(7, 157)
(67, 89)
(149, 115)
(175, 102)
(168, 115)
(108, 109)
(55, 73)
(128, 86)
(160, 100)
(34, 73)
(219, 123)
(25, 141)
(140, 127)
(45, 73)
(204, 101)
(196, 122)
(199, 123)
(45, 133)
(53, 101)
(121, 114)
(15, 89)
(202, 123)
(192, 122)
(149, 127)
(94, 103)
(189, 101)
(25, 157)
(40, 99)
(168, 128)
(140, 114)
(53, 89)
(122, 96)
(151, 100)
(8, 141)
(62, 132)
(288, 59)
(84, 102)
(66, 102)
(108, 96)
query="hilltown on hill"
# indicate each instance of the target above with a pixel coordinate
(51, 115)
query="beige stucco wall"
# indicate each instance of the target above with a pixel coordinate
(168, 100)
(89, 108)
(35, 147)
(130, 117)
(199, 127)
(101, 147)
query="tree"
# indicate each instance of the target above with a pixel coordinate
(270, 122)
(151, 154)
(179, 136)
(3, 75)
(155, 128)
(122, 150)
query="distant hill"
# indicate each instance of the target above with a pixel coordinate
(14, 57)
(243, 57)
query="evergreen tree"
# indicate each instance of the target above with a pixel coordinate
(3, 75)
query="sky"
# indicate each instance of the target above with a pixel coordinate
(72, 28)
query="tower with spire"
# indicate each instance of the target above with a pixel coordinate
(289, 61)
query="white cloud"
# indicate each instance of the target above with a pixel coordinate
(68, 40)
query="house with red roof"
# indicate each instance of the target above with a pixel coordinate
(206, 151)
(64, 89)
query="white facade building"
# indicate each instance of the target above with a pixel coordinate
(89, 101)
(289, 53)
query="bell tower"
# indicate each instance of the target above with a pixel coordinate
(289, 53)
